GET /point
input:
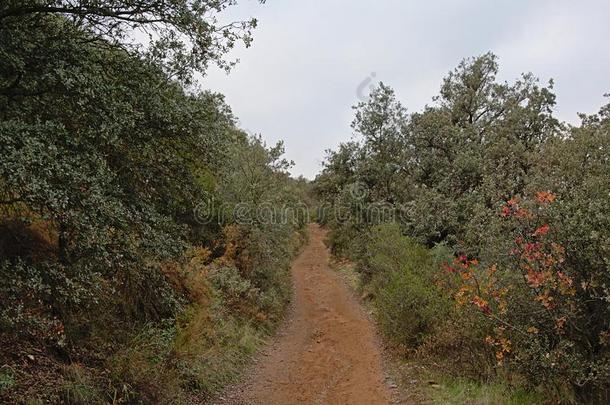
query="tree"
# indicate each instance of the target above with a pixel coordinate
(100, 148)
(184, 35)
(381, 122)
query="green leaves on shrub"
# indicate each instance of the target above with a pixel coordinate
(409, 305)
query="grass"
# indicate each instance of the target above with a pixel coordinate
(225, 357)
(466, 391)
(347, 270)
(78, 387)
(191, 362)
(6, 380)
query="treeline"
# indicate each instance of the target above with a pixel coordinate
(481, 226)
(119, 282)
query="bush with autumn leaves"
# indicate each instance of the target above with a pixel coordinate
(537, 308)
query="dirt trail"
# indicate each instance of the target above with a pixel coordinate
(327, 353)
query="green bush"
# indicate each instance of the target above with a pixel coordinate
(409, 306)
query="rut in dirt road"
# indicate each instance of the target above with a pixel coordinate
(327, 353)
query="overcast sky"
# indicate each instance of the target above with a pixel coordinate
(311, 60)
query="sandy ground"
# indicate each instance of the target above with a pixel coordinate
(327, 352)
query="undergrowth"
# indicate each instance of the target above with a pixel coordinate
(187, 359)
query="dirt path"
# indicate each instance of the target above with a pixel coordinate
(327, 353)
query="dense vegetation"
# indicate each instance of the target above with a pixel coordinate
(145, 238)
(481, 228)
(125, 275)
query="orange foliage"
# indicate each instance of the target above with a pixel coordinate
(190, 278)
(544, 197)
(236, 251)
(540, 262)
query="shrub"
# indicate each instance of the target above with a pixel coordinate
(538, 308)
(409, 306)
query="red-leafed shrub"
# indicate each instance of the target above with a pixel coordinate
(536, 306)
